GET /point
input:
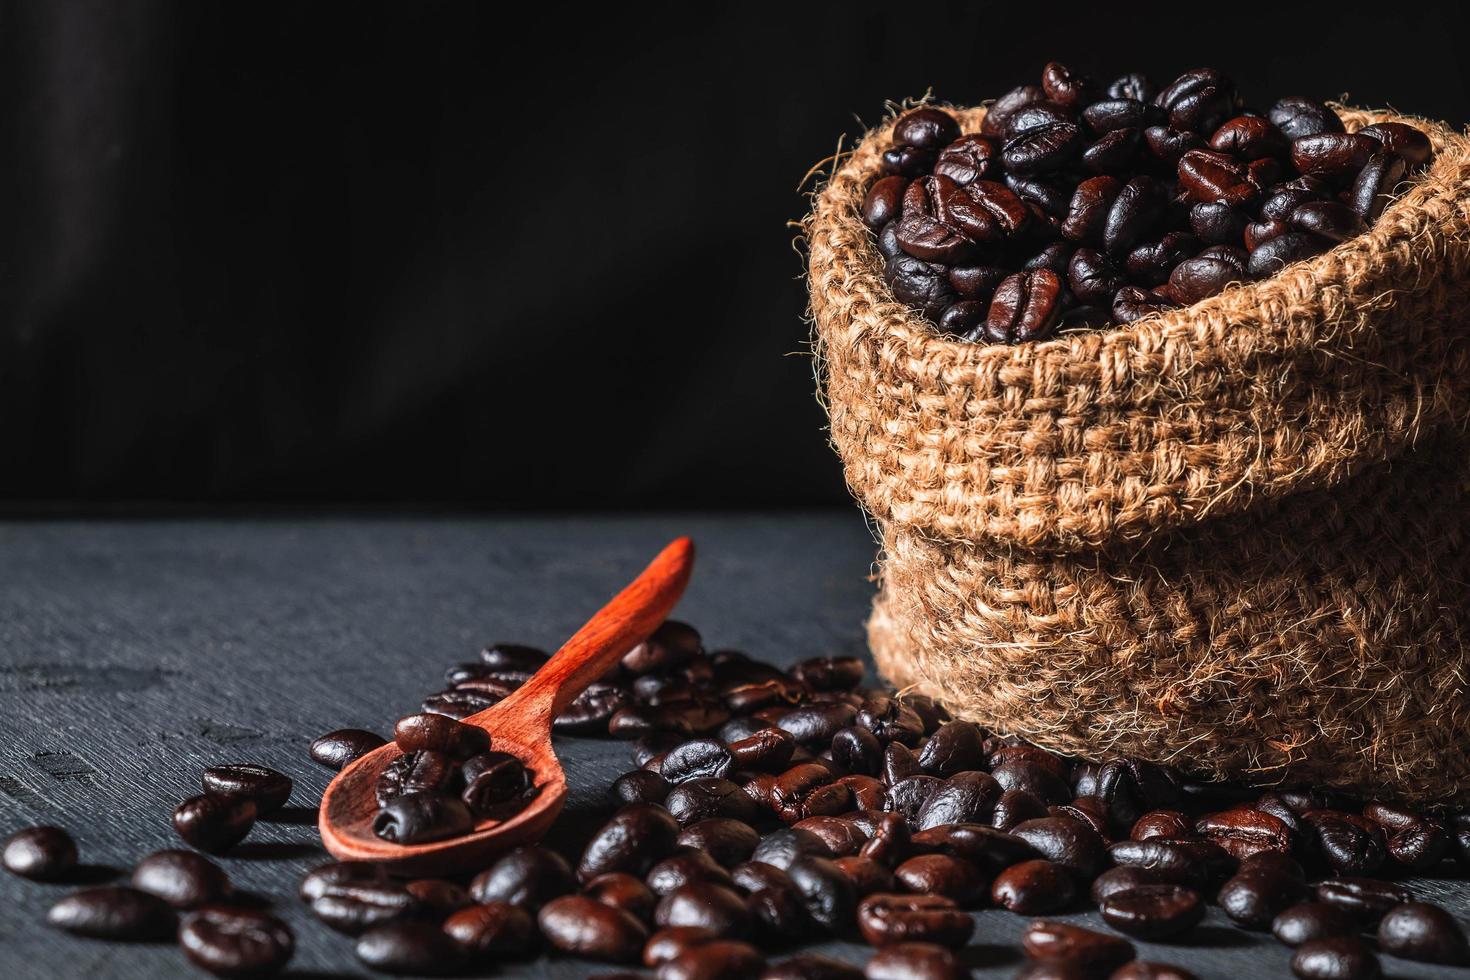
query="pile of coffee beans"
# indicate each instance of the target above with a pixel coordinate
(1078, 205)
(446, 779)
(176, 895)
(767, 808)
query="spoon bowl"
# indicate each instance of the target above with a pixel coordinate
(520, 725)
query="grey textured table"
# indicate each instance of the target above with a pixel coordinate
(133, 654)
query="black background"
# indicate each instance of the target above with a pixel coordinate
(467, 254)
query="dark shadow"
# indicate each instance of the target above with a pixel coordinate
(1219, 937)
(88, 874)
(320, 975)
(275, 851)
(296, 816)
(989, 954)
(249, 899)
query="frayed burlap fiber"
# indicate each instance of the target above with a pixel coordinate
(1231, 537)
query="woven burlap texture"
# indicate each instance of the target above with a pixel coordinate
(1228, 537)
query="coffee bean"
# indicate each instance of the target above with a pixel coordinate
(40, 853)
(1249, 138)
(1016, 806)
(685, 866)
(1211, 177)
(1161, 823)
(1070, 843)
(1254, 899)
(1144, 970)
(590, 712)
(942, 874)
(842, 836)
(767, 749)
(1167, 145)
(706, 905)
(857, 749)
(997, 117)
(1297, 117)
(636, 837)
(457, 704)
(416, 818)
(410, 948)
(354, 906)
(1198, 100)
(1329, 219)
(955, 747)
(1423, 932)
(888, 919)
(1175, 863)
(1058, 942)
(437, 898)
(1307, 921)
(718, 960)
(426, 771)
(1121, 879)
(828, 895)
(236, 942)
(969, 158)
(866, 874)
(728, 841)
(1153, 911)
(436, 733)
(113, 912)
(665, 944)
(675, 642)
(806, 791)
(1134, 215)
(491, 930)
(704, 758)
(1333, 156)
(1036, 887)
(183, 879)
(815, 725)
(267, 788)
(527, 877)
(1092, 277)
(320, 879)
(1044, 149)
(1403, 139)
(988, 849)
(214, 823)
(338, 749)
(700, 799)
(623, 891)
(1376, 184)
(584, 927)
(926, 128)
(514, 656)
(915, 961)
(1339, 958)
(1026, 306)
(1367, 898)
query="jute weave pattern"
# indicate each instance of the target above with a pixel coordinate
(1232, 537)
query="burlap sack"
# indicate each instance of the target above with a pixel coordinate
(1232, 537)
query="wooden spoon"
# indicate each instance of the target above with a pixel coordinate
(520, 725)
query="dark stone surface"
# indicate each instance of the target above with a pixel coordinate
(134, 654)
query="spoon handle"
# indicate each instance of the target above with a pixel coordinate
(627, 620)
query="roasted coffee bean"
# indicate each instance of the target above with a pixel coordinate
(1376, 184)
(674, 642)
(1134, 85)
(816, 724)
(700, 799)
(808, 790)
(1151, 262)
(352, 907)
(590, 711)
(666, 944)
(623, 891)
(1058, 942)
(721, 959)
(639, 786)
(1153, 911)
(415, 818)
(1207, 176)
(1026, 306)
(491, 930)
(40, 853)
(1070, 843)
(436, 733)
(703, 758)
(1346, 846)
(1307, 921)
(767, 749)
(828, 895)
(527, 877)
(1092, 277)
(320, 879)
(1113, 153)
(1258, 233)
(1108, 115)
(183, 879)
(1403, 139)
(909, 161)
(1115, 880)
(890, 841)
(1272, 863)
(918, 283)
(915, 961)
(1090, 810)
(1242, 832)
(637, 836)
(214, 823)
(810, 966)
(956, 747)
(267, 788)
(926, 127)
(706, 905)
(1043, 149)
(1134, 215)
(728, 841)
(684, 867)
(857, 749)
(1000, 111)
(113, 912)
(513, 656)
(1034, 887)
(942, 874)
(1168, 145)
(581, 926)
(899, 763)
(1420, 847)
(437, 897)
(457, 704)
(890, 720)
(976, 282)
(336, 750)
(986, 848)
(1423, 932)
(1333, 156)
(966, 797)
(1296, 117)
(1329, 219)
(778, 914)
(1339, 958)
(969, 158)
(1253, 899)
(888, 919)
(1067, 88)
(1016, 806)
(866, 874)
(1035, 116)
(1161, 823)
(842, 836)
(236, 942)
(908, 796)
(410, 948)
(984, 211)
(416, 772)
(1144, 970)
(1249, 138)
(1087, 213)
(1367, 898)
(1198, 100)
